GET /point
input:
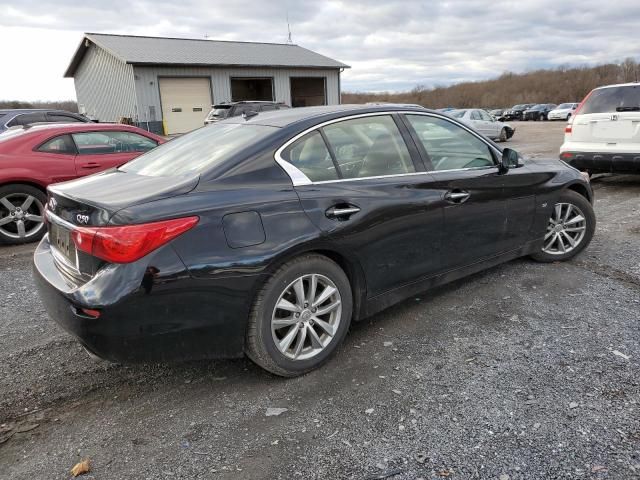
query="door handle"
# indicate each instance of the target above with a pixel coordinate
(90, 165)
(341, 212)
(457, 196)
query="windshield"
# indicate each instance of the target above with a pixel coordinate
(219, 111)
(613, 99)
(457, 113)
(563, 106)
(518, 107)
(197, 151)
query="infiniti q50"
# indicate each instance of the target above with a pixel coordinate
(267, 235)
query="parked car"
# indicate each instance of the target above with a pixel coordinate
(269, 235)
(484, 123)
(603, 134)
(236, 109)
(562, 111)
(498, 114)
(515, 112)
(31, 158)
(26, 116)
(538, 112)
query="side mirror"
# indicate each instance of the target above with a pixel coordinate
(509, 160)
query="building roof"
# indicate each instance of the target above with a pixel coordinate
(199, 52)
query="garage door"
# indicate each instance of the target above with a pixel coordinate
(185, 103)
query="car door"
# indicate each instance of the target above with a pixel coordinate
(100, 150)
(477, 122)
(365, 187)
(55, 157)
(492, 128)
(469, 186)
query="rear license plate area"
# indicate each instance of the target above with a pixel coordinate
(60, 239)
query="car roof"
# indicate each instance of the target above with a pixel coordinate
(631, 84)
(289, 116)
(30, 110)
(61, 128)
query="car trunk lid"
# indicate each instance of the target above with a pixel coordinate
(609, 115)
(91, 202)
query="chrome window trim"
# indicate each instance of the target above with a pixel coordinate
(299, 178)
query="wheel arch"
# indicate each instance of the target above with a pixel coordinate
(28, 183)
(582, 190)
(348, 264)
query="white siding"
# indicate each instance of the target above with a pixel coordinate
(147, 91)
(105, 86)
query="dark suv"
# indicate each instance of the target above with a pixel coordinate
(26, 116)
(515, 112)
(235, 109)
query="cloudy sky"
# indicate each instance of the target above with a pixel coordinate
(391, 44)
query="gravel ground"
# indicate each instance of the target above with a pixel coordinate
(525, 371)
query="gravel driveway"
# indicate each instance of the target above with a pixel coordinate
(525, 371)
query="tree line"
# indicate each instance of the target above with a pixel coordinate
(68, 105)
(563, 84)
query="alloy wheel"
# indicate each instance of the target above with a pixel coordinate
(566, 229)
(306, 317)
(21, 215)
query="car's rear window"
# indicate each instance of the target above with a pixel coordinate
(457, 113)
(612, 99)
(197, 151)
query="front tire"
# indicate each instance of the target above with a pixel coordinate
(300, 316)
(21, 214)
(569, 230)
(503, 135)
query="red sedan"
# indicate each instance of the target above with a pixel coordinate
(35, 157)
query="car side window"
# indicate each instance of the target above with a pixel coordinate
(57, 117)
(61, 144)
(98, 143)
(449, 146)
(132, 142)
(475, 115)
(311, 156)
(369, 147)
(27, 118)
(485, 116)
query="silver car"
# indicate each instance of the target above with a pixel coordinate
(484, 123)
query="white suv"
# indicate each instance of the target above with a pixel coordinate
(604, 133)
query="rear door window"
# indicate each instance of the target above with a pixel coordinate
(369, 147)
(311, 156)
(613, 99)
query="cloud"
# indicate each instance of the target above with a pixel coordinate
(391, 45)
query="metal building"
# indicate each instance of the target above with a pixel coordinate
(171, 83)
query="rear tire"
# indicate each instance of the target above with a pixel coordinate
(287, 335)
(541, 117)
(503, 135)
(570, 228)
(21, 214)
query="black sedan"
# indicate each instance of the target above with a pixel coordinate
(268, 235)
(538, 112)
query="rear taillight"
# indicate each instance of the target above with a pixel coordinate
(566, 155)
(568, 128)
(577, 110)
(128, 243)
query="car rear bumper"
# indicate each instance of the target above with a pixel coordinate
(177, 318)
(603, 162)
